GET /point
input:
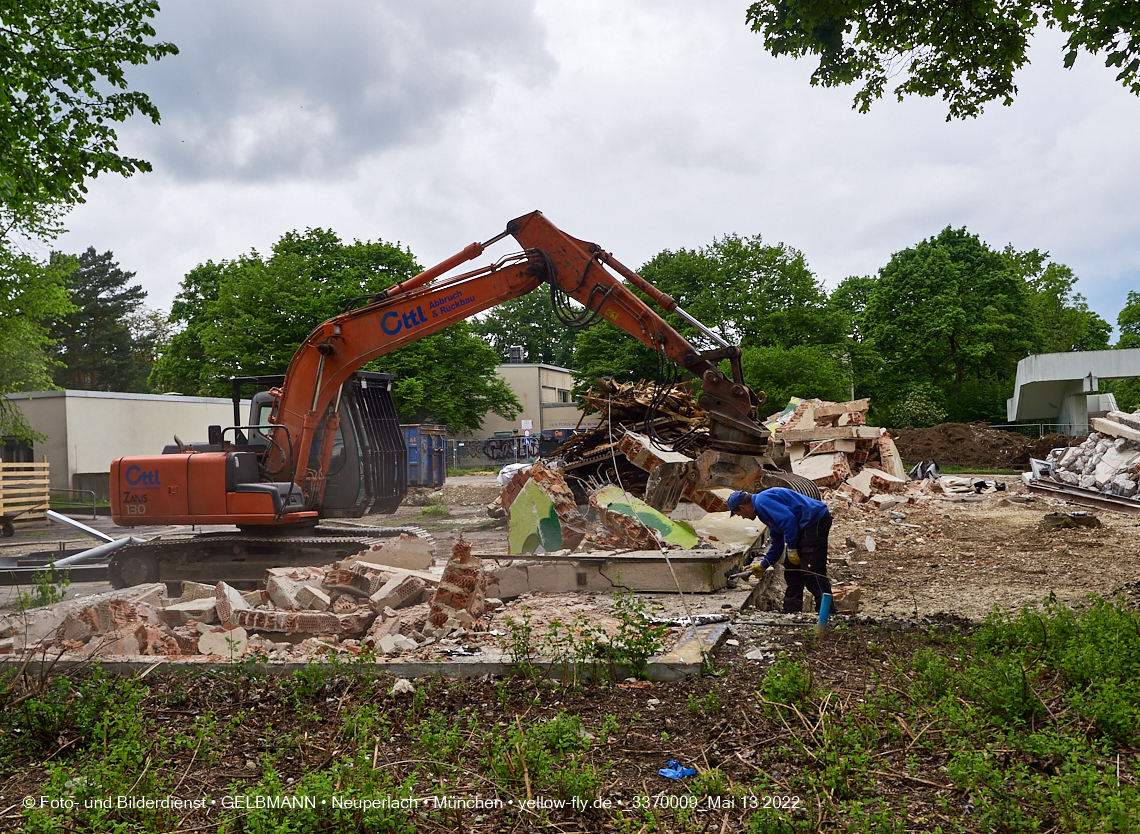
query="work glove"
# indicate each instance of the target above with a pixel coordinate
(757, 569)
(793, 557)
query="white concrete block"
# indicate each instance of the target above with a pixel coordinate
(312, 598)
(193, 610)
(224, 642)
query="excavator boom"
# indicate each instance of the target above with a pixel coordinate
(220, 487)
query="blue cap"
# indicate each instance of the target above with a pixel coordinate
(734, 501)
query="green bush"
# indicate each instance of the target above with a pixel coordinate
(787, 682)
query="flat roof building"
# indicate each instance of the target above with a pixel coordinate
(544, 391)
(86, 430)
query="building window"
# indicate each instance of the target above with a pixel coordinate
(17, 451)
(563, 395)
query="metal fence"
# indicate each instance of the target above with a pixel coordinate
(1036, 430)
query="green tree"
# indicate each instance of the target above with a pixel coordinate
(248, 316)
(448, 378)
(1062, 317)
(180, 367)
(966, 52)
(62, 88)
(151, 332)
(62, 91)
(863, 363)
(1129, 322)
(802, 371)
(31, 293)
(605, 350)
(946, 312)
(1127, 391)
(528, 321)
(747, 292)
(94, 345)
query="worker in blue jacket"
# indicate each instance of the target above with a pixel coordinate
(799, 523)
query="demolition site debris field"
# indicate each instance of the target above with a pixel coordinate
(937, 568)
(960, 556)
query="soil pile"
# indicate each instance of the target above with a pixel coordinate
(1046, 444)
(964, 444)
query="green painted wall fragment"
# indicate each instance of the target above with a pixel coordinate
(533, 522)
(615, 499)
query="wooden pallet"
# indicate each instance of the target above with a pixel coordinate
(24, 490)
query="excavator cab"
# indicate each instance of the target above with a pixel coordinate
(368, 470)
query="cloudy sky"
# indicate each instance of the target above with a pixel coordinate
(643, 125)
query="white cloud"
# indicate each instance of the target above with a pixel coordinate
(642, 126)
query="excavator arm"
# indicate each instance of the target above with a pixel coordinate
(424, 305)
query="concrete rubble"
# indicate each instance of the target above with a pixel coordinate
(1107, 462)
(831, 445)
(828, 443)
(302, 610)
(543, 517)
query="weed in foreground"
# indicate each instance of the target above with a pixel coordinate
(45, 590)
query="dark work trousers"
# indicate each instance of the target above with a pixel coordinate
(812, 572)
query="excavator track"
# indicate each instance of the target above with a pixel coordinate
(241, 559)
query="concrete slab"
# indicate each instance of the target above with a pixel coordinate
(533, 523)
(614, 499)
(728, 533)
(645, 571)
(891, 459)
(1115, 429)
(839, 409)
(681, 662)
(408, 552)
(851, 432)
(861, 483)
(542, 512)
(825, 470)
(37, 624)
(201, 610)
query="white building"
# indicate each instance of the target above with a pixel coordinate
(86, 430)
(544, 391)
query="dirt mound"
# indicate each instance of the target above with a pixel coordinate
(1043, 446)
(964, 444)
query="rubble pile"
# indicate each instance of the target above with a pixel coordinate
(831, 445)
(544, 517)
(1109, 459)
(591, 456)
(350, 606)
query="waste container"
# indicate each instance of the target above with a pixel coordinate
(427, 459)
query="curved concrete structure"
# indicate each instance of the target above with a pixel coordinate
(1060, 386)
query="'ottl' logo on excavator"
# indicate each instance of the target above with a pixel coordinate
(135, 477)
(393, 322)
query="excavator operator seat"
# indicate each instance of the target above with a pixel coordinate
(242, 476)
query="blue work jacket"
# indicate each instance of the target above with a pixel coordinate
(786, 513)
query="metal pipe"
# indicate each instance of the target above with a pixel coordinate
(714, 336)
(99, 551)
(471, 251)
(91, 531)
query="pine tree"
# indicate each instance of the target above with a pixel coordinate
(95, 347)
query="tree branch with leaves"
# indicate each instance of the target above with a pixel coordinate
(967, 52)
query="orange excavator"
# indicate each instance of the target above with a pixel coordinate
(271, 477)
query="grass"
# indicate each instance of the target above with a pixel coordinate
(453, 472)
(973, 470)
(1028, 723)
(952, 469)
(435, 509)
